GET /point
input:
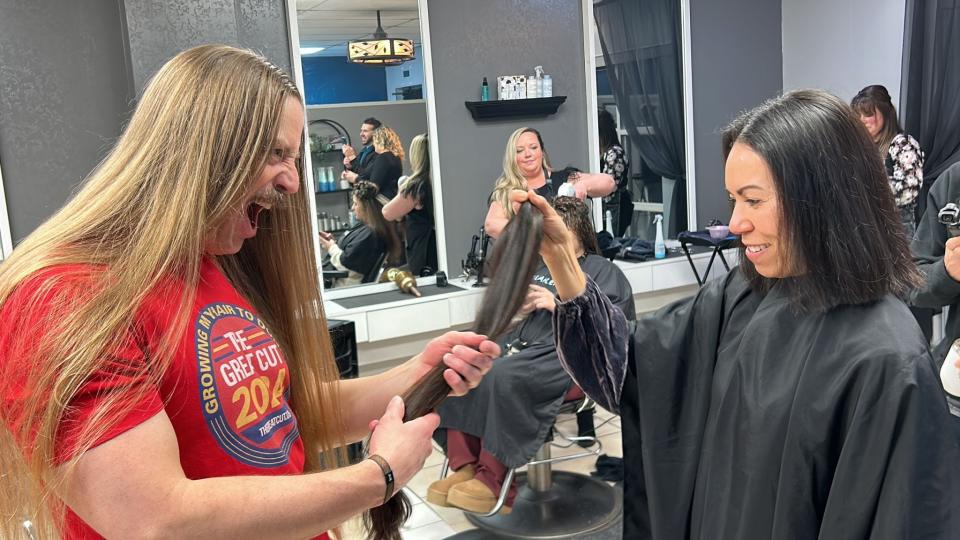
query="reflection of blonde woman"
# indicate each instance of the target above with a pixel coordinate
(156, 363)
(415, 204)
(525, 166)
(387, 165)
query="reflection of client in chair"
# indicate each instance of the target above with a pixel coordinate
(362, 250)
(501, 424)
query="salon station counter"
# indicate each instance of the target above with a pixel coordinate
(392, 326)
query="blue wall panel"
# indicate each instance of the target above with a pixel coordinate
(331, 79)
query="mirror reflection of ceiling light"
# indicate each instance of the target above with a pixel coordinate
(380, 50)
(305, 51)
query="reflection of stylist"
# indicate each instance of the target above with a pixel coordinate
(613, 161)
(387, 165)
(525, 166)
(415, 202)
(360, 248)
(357, 162)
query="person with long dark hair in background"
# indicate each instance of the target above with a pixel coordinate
(900, 152)
(414, 205)
(503, 422)
(795, 397)
(364, 245)
(613, 161)
(526, 166)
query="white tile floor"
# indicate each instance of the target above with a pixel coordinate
(431, 522)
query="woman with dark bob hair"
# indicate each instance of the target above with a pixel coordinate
(795, 397)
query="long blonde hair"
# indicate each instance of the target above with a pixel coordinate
(512, 178)
(200, 135)
(418, 182)
(386, 138)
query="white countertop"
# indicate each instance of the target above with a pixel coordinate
(408, 317)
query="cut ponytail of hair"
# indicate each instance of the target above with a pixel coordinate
(512, 264)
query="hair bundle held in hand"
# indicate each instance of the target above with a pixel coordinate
(511, 266)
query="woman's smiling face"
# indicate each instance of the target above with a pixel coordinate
(529, 154)
(756, 211)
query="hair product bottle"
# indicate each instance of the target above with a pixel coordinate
(659, 248)
(484, 90)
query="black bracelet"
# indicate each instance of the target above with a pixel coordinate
(387, 475)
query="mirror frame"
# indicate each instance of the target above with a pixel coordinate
(6, 240)
(293, 33)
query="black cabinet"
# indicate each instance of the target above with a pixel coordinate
(343, 337)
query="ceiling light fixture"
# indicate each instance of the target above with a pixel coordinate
(380, 50)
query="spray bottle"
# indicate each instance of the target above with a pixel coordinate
(659, 248)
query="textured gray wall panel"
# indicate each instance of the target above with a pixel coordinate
(159, 30)
(65, 91)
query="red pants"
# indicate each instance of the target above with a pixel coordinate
(464, 449)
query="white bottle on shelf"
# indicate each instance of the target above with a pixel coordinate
(538, 73)
(532, 87)
(547, 86)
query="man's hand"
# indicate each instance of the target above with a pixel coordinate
(349, 176)
(468, 356)
(951, 257)
(348, 153)
(404, 445)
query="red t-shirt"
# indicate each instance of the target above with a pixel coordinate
(226, 392)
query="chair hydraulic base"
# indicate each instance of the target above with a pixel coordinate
(573, 505)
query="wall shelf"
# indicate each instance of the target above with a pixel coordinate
(506, 108)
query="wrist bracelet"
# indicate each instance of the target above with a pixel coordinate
(387, 475)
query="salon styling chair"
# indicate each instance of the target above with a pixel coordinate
(554, 504)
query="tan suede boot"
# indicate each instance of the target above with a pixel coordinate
(437, 492)
(474, 496)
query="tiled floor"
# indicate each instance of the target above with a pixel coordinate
(431, 522)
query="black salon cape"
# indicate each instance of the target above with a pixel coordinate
(362, 249)
(515, 404)
(744, 420)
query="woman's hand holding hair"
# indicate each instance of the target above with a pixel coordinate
(404, 445)
(557, 248)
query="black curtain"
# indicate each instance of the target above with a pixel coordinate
(930, 89)
(641, 48)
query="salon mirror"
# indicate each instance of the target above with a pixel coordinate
(341, 96)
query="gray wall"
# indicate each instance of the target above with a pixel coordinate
(69, 75)
(158, 30)
(471, 40)
(856, 43)
(65, 90)
(736, 65)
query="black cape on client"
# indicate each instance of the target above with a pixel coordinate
(517, 401)
(743, 419)
(362, 249)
